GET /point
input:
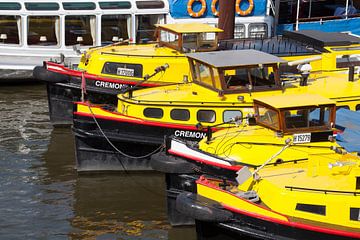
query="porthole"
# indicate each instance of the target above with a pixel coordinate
(206, 116)
(311, 208)
(153, 112)
(180, 114)
(229, 115)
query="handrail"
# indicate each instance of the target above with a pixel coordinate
(322, 190)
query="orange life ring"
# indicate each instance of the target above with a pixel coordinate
(199, 13)
(213, 8)
(244, 12)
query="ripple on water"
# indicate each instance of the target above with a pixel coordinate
(42, 197)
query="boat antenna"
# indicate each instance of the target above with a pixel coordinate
(244, 174)
(158, 69)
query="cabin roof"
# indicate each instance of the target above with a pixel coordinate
(189, 27)
(322, 39)
(294, 101)
(235, 58)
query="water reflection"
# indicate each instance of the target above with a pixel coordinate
(42, 197)
(107, 206)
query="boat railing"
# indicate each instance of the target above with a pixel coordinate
(277, 45)
(312, 19)
(325, 191)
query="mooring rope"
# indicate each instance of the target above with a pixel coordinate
(115, 148)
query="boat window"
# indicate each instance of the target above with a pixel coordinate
(169, 37)
(203, 74)
(46, 6)
(305, 118)
(357, 183)
(43, 30)
(149, 4)
(358, 107)
(229, 115)
(123, 69)
(355, 214)
(340, 107)
(153, 112)
(10, 6)
(257, 30)
(206, 116)
(267, 117)
(115, 5)
(239, 31)
(311, 208)
(80, 30)
(180, 114)
(198, 41)
(146, 27)
(9, 29)
(79, 5)
(249, 78)
(114, 28)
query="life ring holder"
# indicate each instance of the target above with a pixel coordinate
(213, 8)
(199, 13)
(244, 12)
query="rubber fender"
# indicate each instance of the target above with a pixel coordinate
(201, 208)
(42, 74)
(170, 164)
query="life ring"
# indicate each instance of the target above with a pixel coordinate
(244, 12)
(199, 13)
(213, 8)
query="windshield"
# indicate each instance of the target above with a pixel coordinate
(308, 118)
(268, 117)
(198, 41)
(242, 78)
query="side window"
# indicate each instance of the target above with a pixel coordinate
(153, 112)
(43, 30)
(9, 29)
(231, 114)
(114, 28)
(206, 116)
(80, 30)
(180, 114)
(146, 27)
(311, 208)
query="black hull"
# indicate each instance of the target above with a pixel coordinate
(61, 97)
(181, 176)
(215, 222)
(244, 227)
(63, 90)
(95, 153)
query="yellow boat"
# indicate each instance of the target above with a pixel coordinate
(224, 85)
(103, 72)
(303, 200)
(284, 185)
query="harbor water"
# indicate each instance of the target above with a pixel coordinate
(42, 196)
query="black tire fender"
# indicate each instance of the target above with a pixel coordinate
(165, 163)
(201, 208)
